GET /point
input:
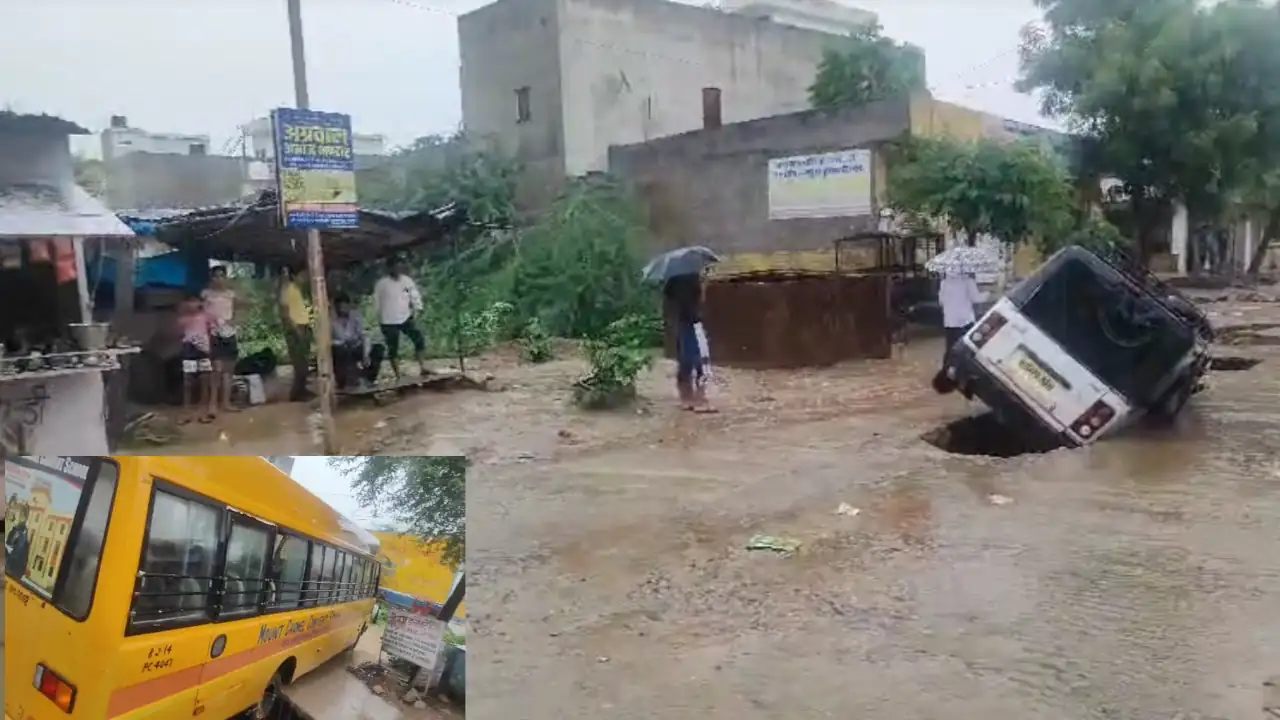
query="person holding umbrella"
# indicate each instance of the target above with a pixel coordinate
(681, 274)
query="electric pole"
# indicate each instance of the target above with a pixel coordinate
(315, 254)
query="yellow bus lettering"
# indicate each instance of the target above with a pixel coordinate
(268, 633)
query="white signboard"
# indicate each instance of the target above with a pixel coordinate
(411, 636)
(834, 184)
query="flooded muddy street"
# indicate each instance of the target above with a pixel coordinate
(1134, 579)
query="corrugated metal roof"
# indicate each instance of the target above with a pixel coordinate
(35, 210)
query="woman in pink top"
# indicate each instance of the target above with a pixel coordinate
(197, 375)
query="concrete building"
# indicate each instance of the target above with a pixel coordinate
(821, 15)
(119, 140)
(556, 82)
(713, 186)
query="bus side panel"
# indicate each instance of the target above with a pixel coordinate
(257, 647)
(158, 674)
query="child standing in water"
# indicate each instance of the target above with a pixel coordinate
(197, 367)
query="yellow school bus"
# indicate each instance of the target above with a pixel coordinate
(149, 587)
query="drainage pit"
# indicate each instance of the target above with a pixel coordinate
(1231, 363)
(981, 435)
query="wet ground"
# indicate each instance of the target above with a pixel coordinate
(332, 692)
(1135, 579)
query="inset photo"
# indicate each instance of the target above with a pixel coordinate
(281, 587)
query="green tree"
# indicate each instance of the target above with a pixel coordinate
(865, 68)
(91, 175)
(1171, 93)
(427, 495)
(1013, 191)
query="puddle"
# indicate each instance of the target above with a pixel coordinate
(980, 435)
(1232, 363)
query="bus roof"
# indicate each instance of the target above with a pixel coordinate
(253, 485)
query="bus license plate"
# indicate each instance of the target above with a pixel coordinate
(1039, 378)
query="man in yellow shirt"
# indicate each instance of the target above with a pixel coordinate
(296, 318)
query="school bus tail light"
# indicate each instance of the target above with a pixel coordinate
(52, 686)
(987, 329)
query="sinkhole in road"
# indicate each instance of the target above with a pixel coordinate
(980, 435)
(1232, 363)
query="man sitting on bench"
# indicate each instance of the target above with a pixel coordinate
(351, 349)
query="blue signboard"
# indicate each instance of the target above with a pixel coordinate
(315, 169)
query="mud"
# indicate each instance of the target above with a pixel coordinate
(1136, 578)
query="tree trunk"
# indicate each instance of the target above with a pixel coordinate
(1260, 252)
(1144, 217)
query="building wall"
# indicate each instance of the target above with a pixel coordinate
(608, 72)
(710, 187)
(506, 46)
(35, 158)
(634, 70)
(118, 142)
(143, 181)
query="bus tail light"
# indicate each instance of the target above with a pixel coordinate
(1093, 420)
(52, 686)
(987, 329)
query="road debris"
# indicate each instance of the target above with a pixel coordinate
(777, 544)
(847, 509)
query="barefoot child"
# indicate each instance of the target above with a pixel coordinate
(197, 369)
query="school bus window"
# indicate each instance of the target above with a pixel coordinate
(178, 563)
(313, 575)
(290, 568)
(330, 560)
(343, 591)
(348, 577)
(245, 568)
(336, 596)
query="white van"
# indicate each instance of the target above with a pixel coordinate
(1080, 349)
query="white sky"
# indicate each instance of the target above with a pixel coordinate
(208, 67)
(314, 474)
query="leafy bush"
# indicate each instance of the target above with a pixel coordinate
(617, 358)
(1094, 234)
(535, 342)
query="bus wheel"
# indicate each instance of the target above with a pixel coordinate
(271, 698)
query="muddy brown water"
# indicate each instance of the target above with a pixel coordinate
(1138, 578)
(1135, 579)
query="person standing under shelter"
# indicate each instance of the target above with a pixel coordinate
(296, 319)
(397, 302)
(220, 303)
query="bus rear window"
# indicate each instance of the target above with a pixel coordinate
(56, 514)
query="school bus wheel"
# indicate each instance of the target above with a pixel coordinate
(273, 693)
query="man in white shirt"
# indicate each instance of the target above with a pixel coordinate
(958, 293)
(396, 301)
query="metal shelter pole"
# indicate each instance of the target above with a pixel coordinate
(315, 254)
